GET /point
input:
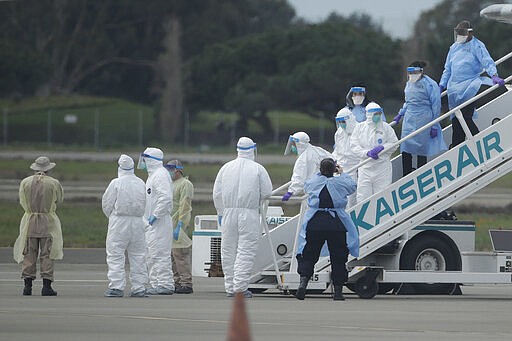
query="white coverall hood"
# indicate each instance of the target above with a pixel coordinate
(126, 165)
(246, 148)
(156, 159)
(303, 142)
(346, 115)
(371, 109)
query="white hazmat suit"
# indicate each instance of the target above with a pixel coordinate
(123, 203)
(239, 188)
(157, 217)
(307, 164)
(343, 153)
(375, 175)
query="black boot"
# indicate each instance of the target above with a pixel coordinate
(301, 291)
(338, 293)
(27, 290)
(47, 288)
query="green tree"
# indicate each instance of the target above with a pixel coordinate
(308, 68)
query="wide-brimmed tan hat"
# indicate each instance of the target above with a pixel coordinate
(42, 164)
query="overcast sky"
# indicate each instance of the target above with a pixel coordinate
(397, 17)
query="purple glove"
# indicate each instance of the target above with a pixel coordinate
(374, 153)
(433, 132)
(399, 116)
(287, 196)
(497, 80)
(441, 88)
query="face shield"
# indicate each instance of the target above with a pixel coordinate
(142, 162)
(414, 73)
(460, 35)
(358, 94)
(374, 113)
(291, 146)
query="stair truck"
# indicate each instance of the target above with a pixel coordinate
(402, 248)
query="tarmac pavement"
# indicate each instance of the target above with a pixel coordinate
(80, 312)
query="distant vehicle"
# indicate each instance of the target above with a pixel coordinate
(498, 12)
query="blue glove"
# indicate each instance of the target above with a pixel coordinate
(151, 219)
(497, 80)
(441, 88)
(374, 153)
(433, 132)
(287, 196)
(219, 220)
(176, 232)
(397, 118)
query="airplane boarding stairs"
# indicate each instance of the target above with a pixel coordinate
(405, 204)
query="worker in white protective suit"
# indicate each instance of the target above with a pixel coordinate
(157, 218)
(307, 164)
(369, 139)
(124, 202)
(240, 187)
(343, 153)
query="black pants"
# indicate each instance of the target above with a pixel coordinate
(407, 162)
(458, 135)
(336, 242)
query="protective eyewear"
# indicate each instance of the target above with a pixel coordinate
(375, 110)
(151, 157)
(358, 89)
(172, 167)
(414, 69)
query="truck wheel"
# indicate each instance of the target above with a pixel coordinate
(428, 253)
(366, 287)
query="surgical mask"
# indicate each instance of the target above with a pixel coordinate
(461, 39)
(414, 77)
(343, 125)
(358, 99)
(294, 149)
(376, 118)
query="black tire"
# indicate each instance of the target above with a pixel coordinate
(430, 252)
(366, 287)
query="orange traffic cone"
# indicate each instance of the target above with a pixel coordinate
(239, 326)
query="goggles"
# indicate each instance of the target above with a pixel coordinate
(151, 157)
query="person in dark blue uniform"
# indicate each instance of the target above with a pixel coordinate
(326, 221)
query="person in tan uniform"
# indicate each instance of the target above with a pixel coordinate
(183, 191)
(40, 230)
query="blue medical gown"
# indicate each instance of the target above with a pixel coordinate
(422, 105)
(360, 113)
(461, 75)
(339, 188)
